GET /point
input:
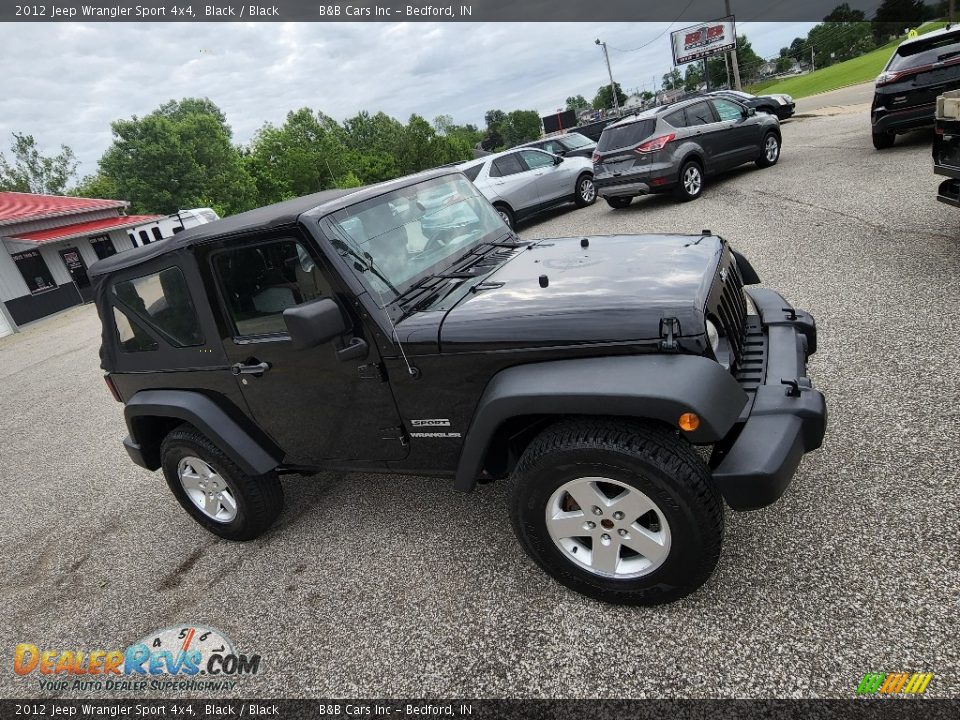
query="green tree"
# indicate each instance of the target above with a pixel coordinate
(672, 80)
(693, 77)
(31, 171)
(178, 156)
(504, 130)
(895, 16)
(604, 97)
(577, 102)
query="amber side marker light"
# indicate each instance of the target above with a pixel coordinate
(689, 422)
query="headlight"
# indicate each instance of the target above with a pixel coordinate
(713, 336)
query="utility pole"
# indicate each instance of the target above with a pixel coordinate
(813, 61)
(733, 58)
(613, 87)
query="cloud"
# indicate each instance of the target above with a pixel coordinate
(77, 78)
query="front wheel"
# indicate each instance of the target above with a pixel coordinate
(690, 186)
(214, 491)
(618, 511)
(771, 151)
(586, 192)
(506, 215)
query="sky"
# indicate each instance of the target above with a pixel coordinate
(73, 79)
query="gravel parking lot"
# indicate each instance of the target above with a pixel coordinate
(373, 586)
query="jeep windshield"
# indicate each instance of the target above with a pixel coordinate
(398, 240)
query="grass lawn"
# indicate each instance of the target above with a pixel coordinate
(858, 70)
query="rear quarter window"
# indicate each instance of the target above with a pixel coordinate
(161, 300)
(473, 172)
(624, 136)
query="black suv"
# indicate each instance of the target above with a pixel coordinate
(674, 148)
(404, 328)
(906, 93)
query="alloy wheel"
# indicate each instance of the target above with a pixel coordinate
(207, 489)
(587, 190)
(608, 528)
(772, 149)
(692, 180)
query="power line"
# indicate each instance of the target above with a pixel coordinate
(647, 44)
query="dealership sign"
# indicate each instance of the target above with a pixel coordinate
(701, 41)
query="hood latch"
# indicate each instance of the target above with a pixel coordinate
(669, 331)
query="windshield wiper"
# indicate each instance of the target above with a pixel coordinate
(364, 263)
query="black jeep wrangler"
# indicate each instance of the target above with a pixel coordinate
(403, 328)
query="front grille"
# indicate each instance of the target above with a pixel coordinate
(730, 308)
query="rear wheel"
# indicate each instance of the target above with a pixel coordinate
(883, 140)
(691, 181)
(586, 192)
(770, 152)
(619, 203)
(622, 512)
(217, 493)
(506, 214)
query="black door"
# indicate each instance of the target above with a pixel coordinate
(316, 405)
(78, 272)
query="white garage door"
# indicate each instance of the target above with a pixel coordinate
(5, 328)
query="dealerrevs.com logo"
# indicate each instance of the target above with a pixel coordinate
(191, 657)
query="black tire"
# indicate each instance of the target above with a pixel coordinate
(646, 457)
(764, 161)
(259, 499)
(883, 140)
(507, 214)
(619, 203)
(682, 191)
(585, 196)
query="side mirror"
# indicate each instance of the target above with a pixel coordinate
(557, 160)
(751, 112)
(314, 323)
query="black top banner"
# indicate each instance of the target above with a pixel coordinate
(910, 14)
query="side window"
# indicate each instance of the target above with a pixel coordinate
(163, 301)
(132, 336)
(677, 119)
(728, 110)
(156, 233)
(507, 165)
(259, 282)
(536, 160)
(699, 114)
(553, 146)
(473, 172)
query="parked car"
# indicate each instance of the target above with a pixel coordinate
(332, 333)
(566, 145)
(946, 147)
(673, 148)
(525, 181)
(780, 105)
(906, 91)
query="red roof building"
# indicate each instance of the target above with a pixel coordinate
(47, 242)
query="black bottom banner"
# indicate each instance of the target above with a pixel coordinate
(216, 709)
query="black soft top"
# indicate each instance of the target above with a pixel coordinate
(270, 217)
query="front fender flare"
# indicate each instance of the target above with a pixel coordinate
(653, 387)
(206, 416)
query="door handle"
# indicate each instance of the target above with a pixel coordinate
(356, 349)
(243, 369)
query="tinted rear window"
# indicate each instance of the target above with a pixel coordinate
(622, 136)
(925, 53)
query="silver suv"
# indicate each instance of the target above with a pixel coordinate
(675, 147)
(524, 181)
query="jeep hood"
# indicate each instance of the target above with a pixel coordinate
(616, 289)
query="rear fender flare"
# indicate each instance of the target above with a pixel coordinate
(206, 416)
(651, 387)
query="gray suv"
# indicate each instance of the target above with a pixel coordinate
(674, 147)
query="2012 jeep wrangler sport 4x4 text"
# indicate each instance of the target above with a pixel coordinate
(403, 328)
